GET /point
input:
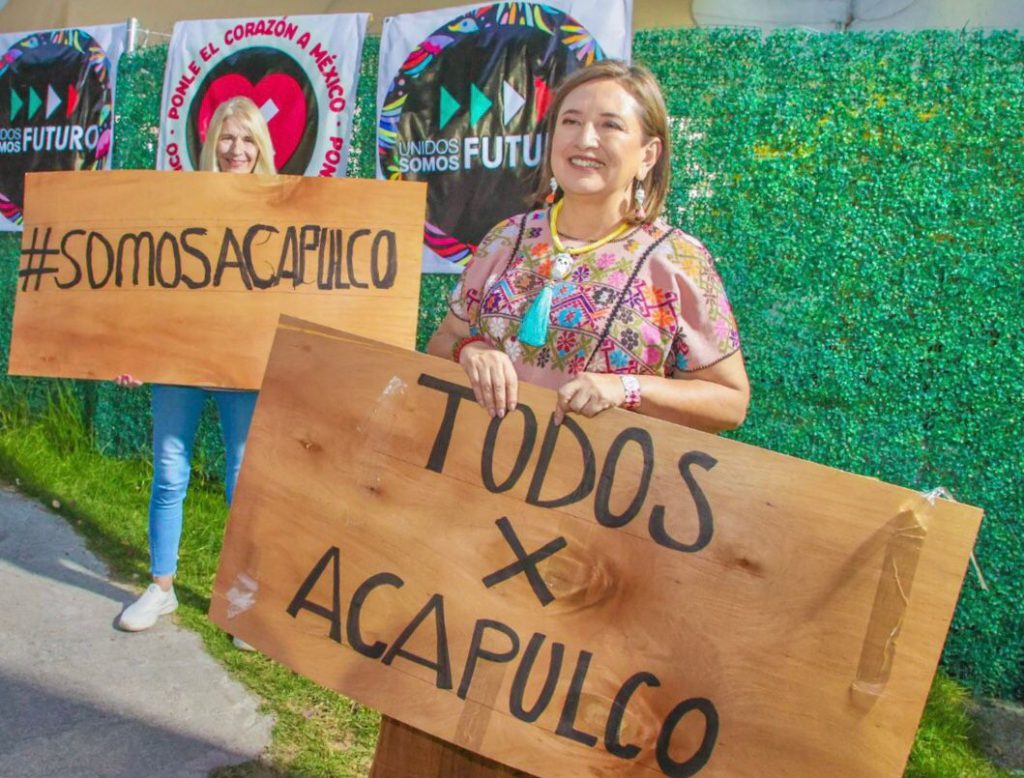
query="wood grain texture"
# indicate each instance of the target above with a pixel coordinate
(118, 315)
(406, 752)
(768, 624)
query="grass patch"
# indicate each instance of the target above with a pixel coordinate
(942, 747)
(50, 455)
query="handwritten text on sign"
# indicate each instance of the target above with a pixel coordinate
(258, 256)
(180, 277)
(491, 631)
(607, 595)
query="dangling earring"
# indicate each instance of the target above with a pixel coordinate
(639, 195)
(554, 188)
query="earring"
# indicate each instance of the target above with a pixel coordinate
(554, 189)
(639, 195)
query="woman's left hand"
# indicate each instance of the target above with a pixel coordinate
(588, 394)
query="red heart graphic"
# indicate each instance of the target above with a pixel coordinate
(286, 126)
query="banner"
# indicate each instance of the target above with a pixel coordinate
(302, 72)
(56, 106)
(605, 597)
(180, 279)
(461, 97)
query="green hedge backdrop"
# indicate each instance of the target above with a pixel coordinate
(863, 194)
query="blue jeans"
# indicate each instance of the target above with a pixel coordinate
(176, 413)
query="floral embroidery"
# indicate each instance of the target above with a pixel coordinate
(668, 313)
(569, 317)
(513, 348)
(619, 359)
(499, 327)
(566, 342)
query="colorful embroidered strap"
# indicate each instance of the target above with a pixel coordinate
(631, 384)
(461, 344)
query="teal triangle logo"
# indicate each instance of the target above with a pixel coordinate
(449, 105)
(34, 102)
(16, 103)
(479, 104)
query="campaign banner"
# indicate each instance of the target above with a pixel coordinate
(462, 94)
(56, 106)
(302, 72)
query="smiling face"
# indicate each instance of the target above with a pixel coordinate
(237, 151)
(598, 147)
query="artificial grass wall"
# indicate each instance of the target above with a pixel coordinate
(863, 195)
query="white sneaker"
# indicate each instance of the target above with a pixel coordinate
(143, 613)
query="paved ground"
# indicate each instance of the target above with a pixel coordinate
(999, 732)
(77, 696)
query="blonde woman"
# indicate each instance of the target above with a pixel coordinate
(237, 141)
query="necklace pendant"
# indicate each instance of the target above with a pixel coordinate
(533, 330)
(561, 266)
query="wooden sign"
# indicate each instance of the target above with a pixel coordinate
(180, 278)
(613, 596)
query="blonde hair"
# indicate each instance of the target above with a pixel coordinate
(245, 110)
(638, 81)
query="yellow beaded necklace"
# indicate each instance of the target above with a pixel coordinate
(534, 329)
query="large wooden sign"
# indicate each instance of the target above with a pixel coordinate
(180, 278)
(615, 596)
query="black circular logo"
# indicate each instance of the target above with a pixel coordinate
(55, 110)
(465, 113)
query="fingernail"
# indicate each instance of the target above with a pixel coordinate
(501, 413)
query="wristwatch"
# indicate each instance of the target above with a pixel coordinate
(631, 384)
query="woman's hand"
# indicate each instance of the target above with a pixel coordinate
(588, 394)
(492, 376)
(126, 381)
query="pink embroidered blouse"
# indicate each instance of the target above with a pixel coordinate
(648, 303)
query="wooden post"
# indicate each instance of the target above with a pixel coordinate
(406, 752)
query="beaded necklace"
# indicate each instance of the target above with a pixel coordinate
(534, 329)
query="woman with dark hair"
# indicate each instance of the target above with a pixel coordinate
(596, 296)
(237, 141)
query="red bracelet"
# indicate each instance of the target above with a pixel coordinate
(457, 350)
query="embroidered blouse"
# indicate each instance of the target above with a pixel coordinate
(647, 303)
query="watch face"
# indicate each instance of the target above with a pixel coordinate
(466, 114)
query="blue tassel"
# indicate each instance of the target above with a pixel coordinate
(534, 329)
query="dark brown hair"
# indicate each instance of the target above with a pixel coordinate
(638, 81)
